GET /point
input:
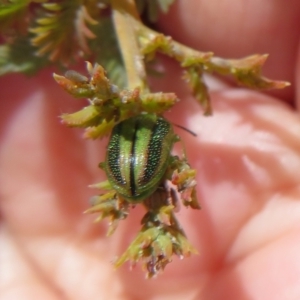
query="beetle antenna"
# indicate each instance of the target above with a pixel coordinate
(187, 130)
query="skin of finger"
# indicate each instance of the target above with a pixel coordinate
(18, 280)
(261, 202)
(247, 172)
(235, 29)
(297, 87)
(45, 170)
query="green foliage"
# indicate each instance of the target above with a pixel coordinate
(39, 32)
(152, 8)
(19, 57)
(106, 51)
(13, 13)
(155, 245)
(61, 30)
(110, 104)
(161, 236)
(193, 76)
(246, 71)
(36, 30)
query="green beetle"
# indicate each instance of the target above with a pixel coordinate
(138, 154)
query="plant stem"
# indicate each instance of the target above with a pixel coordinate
(125, 18)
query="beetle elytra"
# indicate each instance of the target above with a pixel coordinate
(138, 154)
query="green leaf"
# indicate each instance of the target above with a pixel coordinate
(247, 71)
(20, 57)
(152, 8)
(62, 29)
(165, 5)
(85, 117)
(152, 11)
(107, 54)
(194, 77)
(12, 11)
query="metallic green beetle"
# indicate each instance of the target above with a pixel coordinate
(138, 154)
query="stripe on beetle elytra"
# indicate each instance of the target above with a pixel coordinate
(132, 161)
(154, 151)
(113, 156)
